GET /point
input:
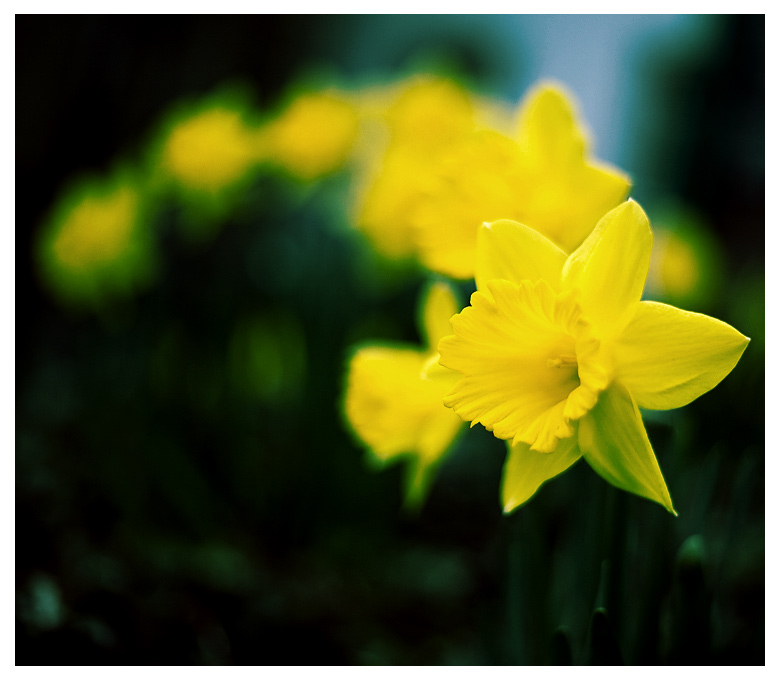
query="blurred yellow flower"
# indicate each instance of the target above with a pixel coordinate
(313, 136)
(558, 353)
(543, 179)
(423, 118)
(98, 229)
(687, 263)
(390, 200)
(96, 242)
(210, 150)
(394, 398)
(430, 114)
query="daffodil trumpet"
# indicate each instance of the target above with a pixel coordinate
(557, 353)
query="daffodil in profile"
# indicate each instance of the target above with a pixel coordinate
(557, 354)
(394, 398)
(543, 176)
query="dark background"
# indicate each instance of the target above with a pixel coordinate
(170, 512)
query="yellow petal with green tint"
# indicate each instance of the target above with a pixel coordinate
(526, 470)
(504, 346)
(668, 357)
(439, 305)
(393, 409)
(512, 251)
(613, 440)
(610, 268)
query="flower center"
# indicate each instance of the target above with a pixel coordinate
(563, 361)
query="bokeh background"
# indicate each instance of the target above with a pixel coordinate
(186, 489)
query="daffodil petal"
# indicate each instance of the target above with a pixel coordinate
(668, 357)
(592, 191)
(613, 440)
(438, 307)
(512, 251)
(393, 409)
(610, 268)
(526, 470)
(547, 127)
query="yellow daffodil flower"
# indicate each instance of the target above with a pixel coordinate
(557, 354)
(205, 154)
(394, 398)
(209, 150)
(96, 242)
(423, 118)
(313, 136)
(543, 178)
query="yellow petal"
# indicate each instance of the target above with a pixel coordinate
(610, 268)
(393, 409)
(475, 182)
(547, 127)
(438, 307)
(430, 114)
(588, 193)
(613, 440)
(668, 357)
(570, 193)
(389, 198)
(504, 345)
(512, 251)
(526, 470)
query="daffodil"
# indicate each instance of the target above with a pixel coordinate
(312, 136)
(557, 354)
(420, 120)
(205, 154)
(209, 150)
(394, 398)
(543, 178)
(96, 243)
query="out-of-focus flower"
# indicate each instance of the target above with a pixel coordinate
(394, 398)
(205, 154)
(210, 150)
(558, 353)
(686, 261)
(314, 135)
(96, 244)
(422, 118)
(543, 178)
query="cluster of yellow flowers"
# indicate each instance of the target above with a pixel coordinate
(557, 352)
(98, 240)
